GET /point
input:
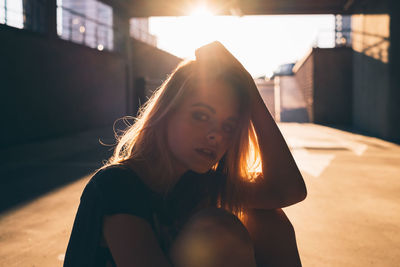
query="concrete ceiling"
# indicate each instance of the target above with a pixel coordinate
(146, 8)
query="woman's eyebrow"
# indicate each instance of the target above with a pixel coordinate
(205, 106)
(233, 119)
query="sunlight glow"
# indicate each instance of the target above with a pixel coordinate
(261, 43)
(201, 12)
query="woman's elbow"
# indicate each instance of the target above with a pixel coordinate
(295, 195)
(300, 194)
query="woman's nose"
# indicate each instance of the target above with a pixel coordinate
(214, 136)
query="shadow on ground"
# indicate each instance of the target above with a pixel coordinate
(35, 169)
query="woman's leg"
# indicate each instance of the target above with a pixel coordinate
(213, 238)
(273, 238)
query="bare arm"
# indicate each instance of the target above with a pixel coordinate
(132, 242)
(281, 183)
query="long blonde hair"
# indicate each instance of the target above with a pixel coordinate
(146, 138)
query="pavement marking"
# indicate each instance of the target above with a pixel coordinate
(355, 147)
(313, 164)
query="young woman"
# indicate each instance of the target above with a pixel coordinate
(204, 152)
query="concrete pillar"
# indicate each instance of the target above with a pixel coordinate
(51, 18)
(123, 45)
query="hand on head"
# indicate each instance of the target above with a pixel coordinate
(214, 57)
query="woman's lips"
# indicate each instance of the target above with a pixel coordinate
(206, 153)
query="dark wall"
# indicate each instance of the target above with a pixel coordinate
(51, 87)
(324, 76)
(151, 62)
(333, 86)
(371, 80)
(153, 65)
(371, 95)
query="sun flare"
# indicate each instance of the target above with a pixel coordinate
(261, 43)
(199, 28)
(201, 12)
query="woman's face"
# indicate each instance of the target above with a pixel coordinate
(202, 128)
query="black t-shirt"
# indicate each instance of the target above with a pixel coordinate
(119, 190)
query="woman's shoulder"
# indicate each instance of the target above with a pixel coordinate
(114, 172)
(116, 178)
(119, 190)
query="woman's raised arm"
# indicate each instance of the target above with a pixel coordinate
(281, 183)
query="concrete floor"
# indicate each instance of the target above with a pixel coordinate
(351, 216)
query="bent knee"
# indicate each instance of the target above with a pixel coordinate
(211, 238)
(220, 222)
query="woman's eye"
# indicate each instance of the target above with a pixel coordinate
(228, 128)
(200, 116)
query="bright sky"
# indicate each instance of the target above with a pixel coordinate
(261, 43)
